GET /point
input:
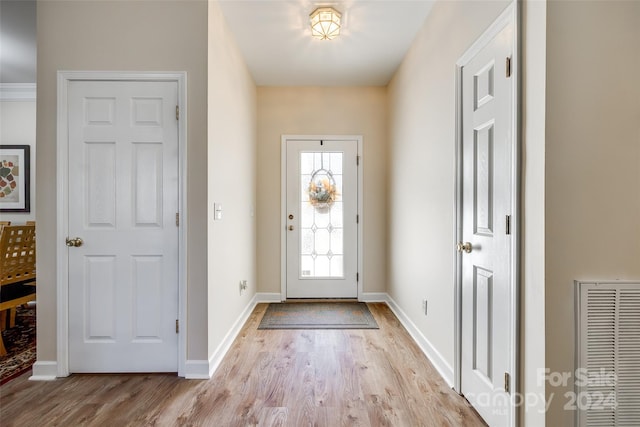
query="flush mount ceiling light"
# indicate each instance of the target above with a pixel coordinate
(325, 23)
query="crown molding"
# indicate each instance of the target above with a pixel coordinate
(17, 91)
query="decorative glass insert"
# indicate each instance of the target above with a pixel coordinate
(321, 215)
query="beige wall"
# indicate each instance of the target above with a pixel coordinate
(231, 180)
(123, 36)
(421, 168)
(322, 111)
(18, 127)
(592, 164)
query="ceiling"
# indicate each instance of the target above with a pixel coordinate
(275, 40)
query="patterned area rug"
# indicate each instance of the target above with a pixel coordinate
(20, 342)
(318, 315)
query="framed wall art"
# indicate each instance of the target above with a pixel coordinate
(14, 178)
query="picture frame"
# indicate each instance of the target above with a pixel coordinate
(15, 172)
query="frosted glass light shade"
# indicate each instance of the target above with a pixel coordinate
(325, 23)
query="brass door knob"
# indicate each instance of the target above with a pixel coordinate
(291, 228)
(466, 247)
(75, 243)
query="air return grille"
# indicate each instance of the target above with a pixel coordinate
(608, 354)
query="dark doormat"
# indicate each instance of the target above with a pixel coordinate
(318, 315)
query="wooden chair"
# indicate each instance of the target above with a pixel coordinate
(17, 268)
(3, 313)
(12, 311)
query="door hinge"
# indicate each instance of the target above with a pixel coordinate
(177, 112)
(177, 326)
(357, 160)
(508, 224)
(508, 66)
(507, 382)
(177, 219)
(357, 219)
(357, 277)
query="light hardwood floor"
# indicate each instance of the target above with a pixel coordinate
(268, 378)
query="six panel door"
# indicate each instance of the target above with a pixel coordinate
(487, 106)
(123, 200)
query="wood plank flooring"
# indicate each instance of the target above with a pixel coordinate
(268, 378)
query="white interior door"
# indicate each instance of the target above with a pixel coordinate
(123, 201)
(487, 140)
(321, 223)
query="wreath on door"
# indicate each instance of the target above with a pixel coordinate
(322, 190)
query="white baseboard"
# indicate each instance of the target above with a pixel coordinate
(268, 297)
(196, 370)
(44, 371)
(373, 297)
(427, 348)
(204, 369)
(216, 358)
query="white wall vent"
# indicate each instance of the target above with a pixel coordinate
(607, 378)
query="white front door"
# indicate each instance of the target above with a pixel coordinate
(487, 144)
(321, 223)
(123, 201)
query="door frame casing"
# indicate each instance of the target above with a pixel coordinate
(283, 204)
(62, 197)
(511, 15)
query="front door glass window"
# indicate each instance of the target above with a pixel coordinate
(321, 215)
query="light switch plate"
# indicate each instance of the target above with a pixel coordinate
(217, 211)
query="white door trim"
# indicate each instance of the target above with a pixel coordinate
(62, 259)
(283, 205)
(511, 15)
